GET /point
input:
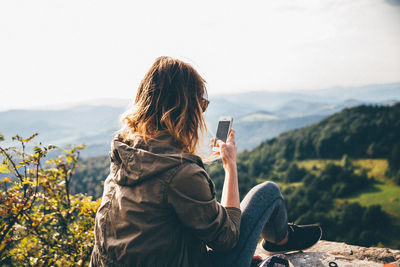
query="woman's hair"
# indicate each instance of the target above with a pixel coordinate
(171, 98)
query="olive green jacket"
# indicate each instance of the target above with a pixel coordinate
(159, 209)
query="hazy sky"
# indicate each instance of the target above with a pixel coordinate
(68, 51)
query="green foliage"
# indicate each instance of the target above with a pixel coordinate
(394, 164)
(339, 182)
(42, 223)
(294, 173)
(394, 158)
(372, 222)
(346, 163)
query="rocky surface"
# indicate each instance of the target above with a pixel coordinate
(342, 254)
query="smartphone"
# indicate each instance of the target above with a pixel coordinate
(224, 126)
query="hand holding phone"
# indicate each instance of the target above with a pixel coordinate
(224, 126)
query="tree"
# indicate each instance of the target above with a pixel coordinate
(346, 163)
(42, 223)
(394, 164)
(394, 158)
(294, 173)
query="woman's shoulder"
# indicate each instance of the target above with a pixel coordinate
(192, 169)
(192, 179)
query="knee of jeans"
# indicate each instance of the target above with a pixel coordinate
(271, 188)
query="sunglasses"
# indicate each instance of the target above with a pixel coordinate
(204, 104)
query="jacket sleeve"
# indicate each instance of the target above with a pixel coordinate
(192, 197)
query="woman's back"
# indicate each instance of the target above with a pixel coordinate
(159, 208)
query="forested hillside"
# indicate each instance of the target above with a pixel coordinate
(90, 176)
(360, 132)
(364, 131)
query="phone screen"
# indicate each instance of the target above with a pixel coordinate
(222, 130)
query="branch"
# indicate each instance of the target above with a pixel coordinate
(23, 160)
(12, 163)
(69, 176)
(74, 165)
(66, 180)
(36, 189)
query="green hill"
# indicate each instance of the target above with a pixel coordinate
(360, 132)
(364, 131)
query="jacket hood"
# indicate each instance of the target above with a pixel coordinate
(135, 161)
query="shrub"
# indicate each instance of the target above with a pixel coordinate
(42, 224)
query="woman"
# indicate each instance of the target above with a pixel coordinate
(159, 206)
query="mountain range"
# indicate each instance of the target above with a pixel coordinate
(258, 116)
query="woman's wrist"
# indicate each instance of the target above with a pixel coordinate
(230, 191)
(230, 166)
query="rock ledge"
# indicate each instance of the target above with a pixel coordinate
(342, 254)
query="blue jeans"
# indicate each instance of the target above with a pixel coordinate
(263, 214)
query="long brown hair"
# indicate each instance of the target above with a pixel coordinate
(171, 98)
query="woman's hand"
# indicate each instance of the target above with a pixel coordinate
(230, 190)
(228, 150)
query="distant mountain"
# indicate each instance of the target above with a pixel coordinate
(91, 125)
(300, 108)
(254, 128)
(257, 115)
(367, 93)
(373, 93)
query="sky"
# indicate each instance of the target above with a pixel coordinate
(55, 52)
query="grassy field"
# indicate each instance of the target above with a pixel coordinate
(385, 193)
(315, 165)
(375, 167)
